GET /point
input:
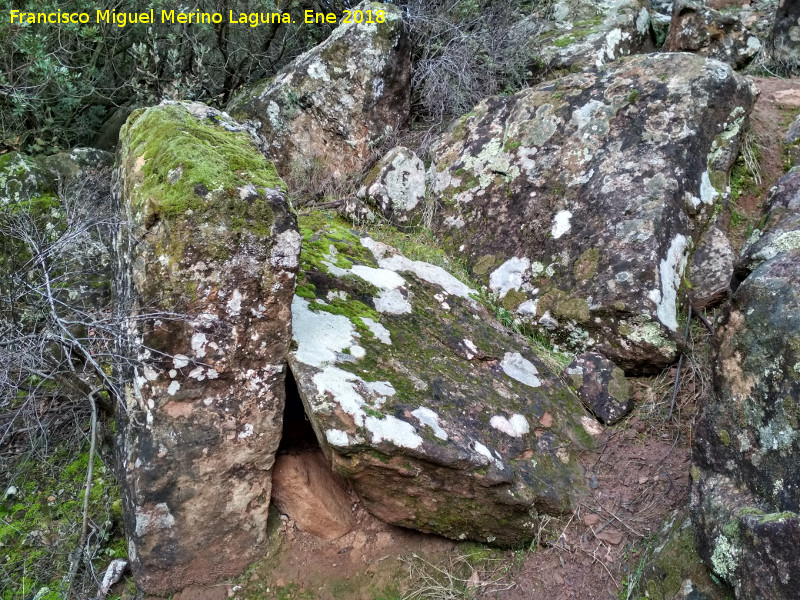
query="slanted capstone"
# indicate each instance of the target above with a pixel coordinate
(442, 421)
(578, 201)
(215, 250)
(328, 108)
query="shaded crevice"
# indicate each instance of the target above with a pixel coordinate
(298, 434)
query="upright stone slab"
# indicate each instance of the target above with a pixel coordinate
(578, 201)
(326, 109)
(215, 249)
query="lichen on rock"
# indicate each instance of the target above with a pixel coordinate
(442, 422)
(595, 196)
(208, 270)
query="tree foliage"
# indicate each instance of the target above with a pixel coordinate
(60, 82)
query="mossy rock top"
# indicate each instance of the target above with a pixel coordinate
(403, 371)
(189, 163)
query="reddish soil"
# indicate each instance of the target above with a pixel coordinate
(769, 121)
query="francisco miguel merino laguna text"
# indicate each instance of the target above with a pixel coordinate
(121, 19)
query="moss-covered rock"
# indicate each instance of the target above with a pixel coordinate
(675, 570)
(745, 496)
(443, 421)
(330, 106)
(593, 211)
(212, 253)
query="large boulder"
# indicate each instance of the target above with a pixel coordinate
(210, 266)
(578, 201)
(746, 469)
(697, 28)
(442, 421)
(582, 34)
(328, 108)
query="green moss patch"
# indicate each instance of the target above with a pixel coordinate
(191, 165)
(40, 523)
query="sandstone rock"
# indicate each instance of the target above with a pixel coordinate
(577, 201)
(745, 496)
(711, 270)
(396, 187)
(305, 489)
(441, 421)
(786, 35)
(216, 249)
(328, 107)
(586, 34)
(708, 32)
(602, 387)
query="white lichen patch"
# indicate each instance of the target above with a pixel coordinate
(427, 417)
(320, 335)
(246, 432)
(173, 388)
(379, 331)
(234, 305)
(337, 437)
(561, 223)
(155, 519)
(509, 276)
(520, 368)
(392, 302)
(724, 559)
(516, 426)
(671, 273)
(433, 274)
(708, 193)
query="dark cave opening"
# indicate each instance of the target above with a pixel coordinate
(298, 434)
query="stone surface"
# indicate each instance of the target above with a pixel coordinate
(675, 571)
(305, 489)
(711, 269)
(330, 106)
(745, 495)
(785, 39)
(602, 387)
(577, 201)
(584, 34)
(708, 32)
(216, 249)
(396, 187)
(442, 421)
